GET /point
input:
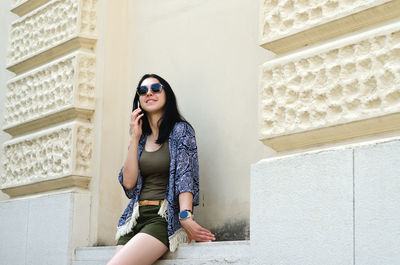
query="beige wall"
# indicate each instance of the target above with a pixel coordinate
(109, 119)
(208, 52)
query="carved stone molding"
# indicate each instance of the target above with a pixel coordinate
(21, 7)
(60, 90)
(52, 30)
(341, 90)
(290, 24)
(50, 159)
(18, 2)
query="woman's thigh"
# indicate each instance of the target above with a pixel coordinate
(142, 249)
(119, 247)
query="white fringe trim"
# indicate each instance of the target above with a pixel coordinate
(129, 224)
(178, 237)
(163, 211)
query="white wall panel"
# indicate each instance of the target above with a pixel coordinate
(302, 209)
(377, 207)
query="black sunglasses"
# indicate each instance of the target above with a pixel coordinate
(155, 88)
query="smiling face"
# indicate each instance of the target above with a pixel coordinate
(152, 102)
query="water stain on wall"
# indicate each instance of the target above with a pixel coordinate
(237, 230)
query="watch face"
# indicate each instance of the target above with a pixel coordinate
(183, 214)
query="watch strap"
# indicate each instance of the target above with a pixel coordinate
(185, 214)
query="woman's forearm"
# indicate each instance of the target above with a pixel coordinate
(186, 201)
(193, 230)
(130, 171)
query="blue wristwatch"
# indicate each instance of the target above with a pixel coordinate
(184, 214)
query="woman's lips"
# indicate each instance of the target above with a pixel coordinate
(147, 101)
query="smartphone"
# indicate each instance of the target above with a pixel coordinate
(141, 111)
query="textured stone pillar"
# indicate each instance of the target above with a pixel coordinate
(334, 206)
(339, 90)
(49, 107)
(49, 95)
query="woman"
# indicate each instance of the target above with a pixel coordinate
(160, 176)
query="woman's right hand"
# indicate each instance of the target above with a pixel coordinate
(136, 124)
(196, 232)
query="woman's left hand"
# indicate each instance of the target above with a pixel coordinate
(196, 232)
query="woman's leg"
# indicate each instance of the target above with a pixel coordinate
(142, 249)
(119, 247)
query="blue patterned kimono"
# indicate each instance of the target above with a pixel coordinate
(183, 177)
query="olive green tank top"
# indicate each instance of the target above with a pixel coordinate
(154, 167)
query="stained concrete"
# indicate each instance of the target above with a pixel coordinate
(232, 231)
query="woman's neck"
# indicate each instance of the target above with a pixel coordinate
(153, 122)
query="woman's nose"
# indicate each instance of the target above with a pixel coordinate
(149, 91)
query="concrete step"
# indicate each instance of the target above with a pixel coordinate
(94, 253)
(224, 252)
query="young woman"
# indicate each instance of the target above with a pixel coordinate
(160, 176)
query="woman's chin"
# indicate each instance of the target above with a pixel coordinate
(152, 111)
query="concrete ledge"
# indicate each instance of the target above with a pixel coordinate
(94, 253)
(224, 249)
(368, 127)
(47, 185)
(224, 252)
(50, 119)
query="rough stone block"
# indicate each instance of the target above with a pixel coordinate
(377, 207)
(302, 209)
(341, 90)
(63, 89)
(54, 29)
(290, 24)
(54, 158)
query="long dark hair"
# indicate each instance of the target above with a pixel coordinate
(171, 112)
